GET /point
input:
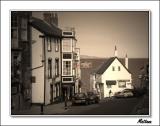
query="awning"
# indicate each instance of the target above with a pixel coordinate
(110, 82)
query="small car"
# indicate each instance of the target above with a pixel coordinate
(93, 97)
(124, 93)
(80, 98)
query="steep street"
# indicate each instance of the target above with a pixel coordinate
(122, 106)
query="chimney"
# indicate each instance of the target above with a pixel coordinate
(115, 52)
(126, 61)
(56, 19)
(47, 17)
(51, 18)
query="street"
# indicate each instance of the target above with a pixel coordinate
(121, 106)
(108, 106)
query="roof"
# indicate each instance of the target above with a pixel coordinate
(106, 64)
(45, 28)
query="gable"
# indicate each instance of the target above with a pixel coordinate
(112, 62)
(117, 69)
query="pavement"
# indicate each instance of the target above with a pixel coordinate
(52, 109)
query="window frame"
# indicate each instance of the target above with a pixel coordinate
(67, 45)
(122, 86)
(49, 44)
(113, 68)
(56, 67)
(64, 67)
(119, 68)
(56, 45)
(49, 68)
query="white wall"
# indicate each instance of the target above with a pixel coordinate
(38, 73)
(38, 87)
(123, 74)
(37, 50)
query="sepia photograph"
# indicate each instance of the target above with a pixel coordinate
(88, 63)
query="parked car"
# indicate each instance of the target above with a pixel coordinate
(124, 93)
(80, 98)
(93, 97)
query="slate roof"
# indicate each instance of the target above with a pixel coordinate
(45, 28)
(107, 63)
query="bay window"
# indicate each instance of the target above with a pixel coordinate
(67, 45)
(67, 68)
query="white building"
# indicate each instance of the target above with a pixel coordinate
(70, 63)
(46, 59)
(112, 76)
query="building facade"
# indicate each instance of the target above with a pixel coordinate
(111, 77)
(46, 59)
(20, 60)
(70, 64)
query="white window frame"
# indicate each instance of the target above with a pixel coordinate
(67, 81)
(56, 44)
(70, 50)
(63, 65)
(121, 85)
(49, 44)
(113, 68)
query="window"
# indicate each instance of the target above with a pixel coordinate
(67, 56)
(121, 84)
(119, 68)
(56, 45)
(56, 67)
(113, 68)
(67, 45)
(67, 79)
(67, 33)
(49, 68)
(66, 67)
(48, 44)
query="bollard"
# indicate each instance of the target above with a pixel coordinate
(42, 109)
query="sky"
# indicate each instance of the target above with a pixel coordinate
(98, 32)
